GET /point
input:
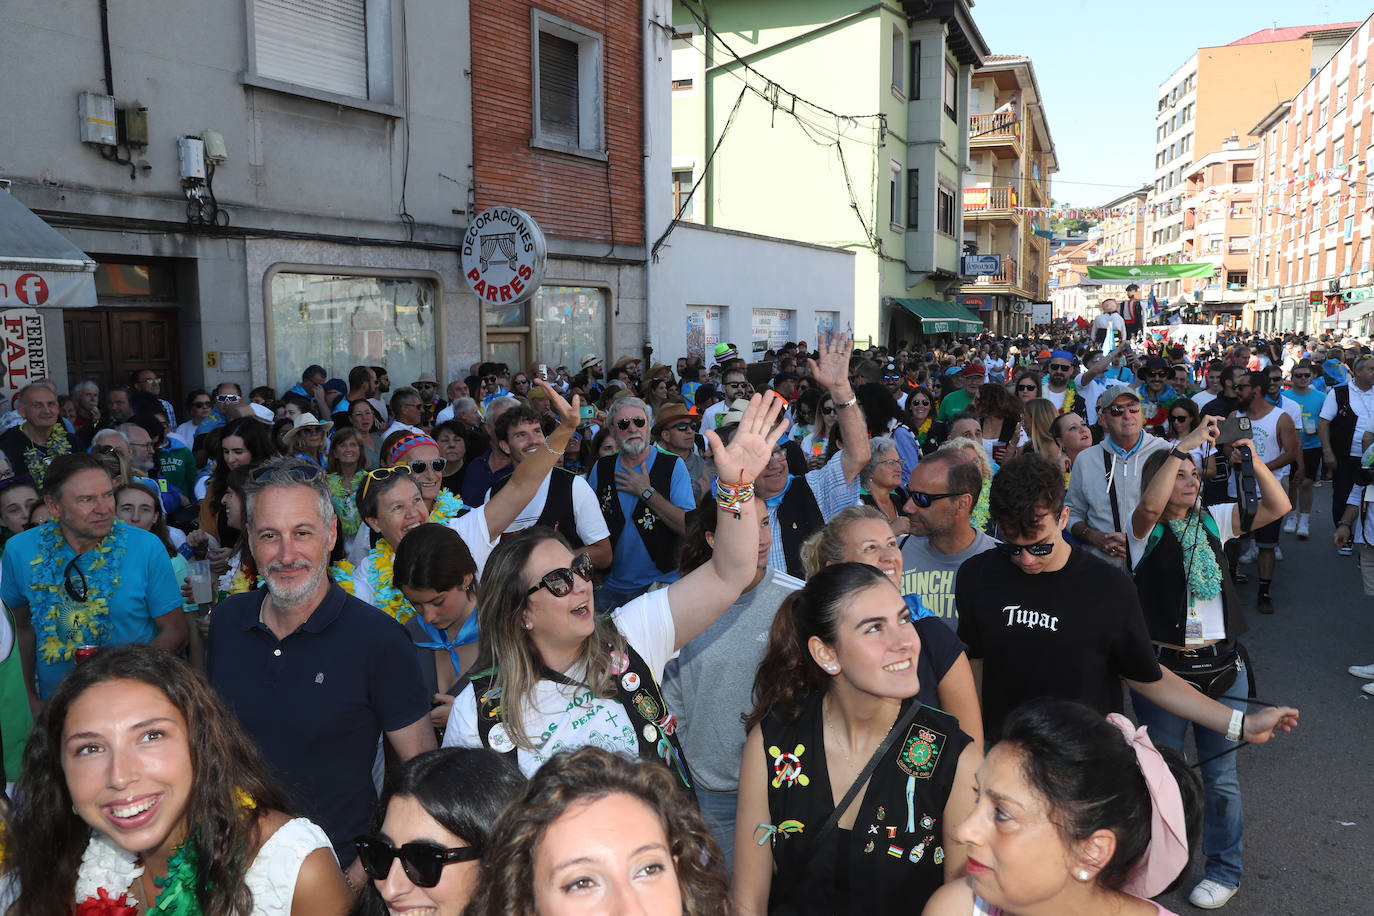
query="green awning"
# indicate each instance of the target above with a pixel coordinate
(940, 317)
(1149, 271)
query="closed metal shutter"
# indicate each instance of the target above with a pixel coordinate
(558, 116)
(317, 43)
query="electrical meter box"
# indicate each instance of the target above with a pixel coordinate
(215, 150)
(191, 158)
(97, 114)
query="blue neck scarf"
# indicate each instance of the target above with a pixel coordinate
(439, 639)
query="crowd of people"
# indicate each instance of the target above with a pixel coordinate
(831, 630)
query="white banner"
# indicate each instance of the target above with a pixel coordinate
(26, 350)
(57, 289)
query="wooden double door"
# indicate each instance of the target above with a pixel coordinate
(106, 344)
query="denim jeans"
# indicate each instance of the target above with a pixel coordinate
(1223, 823)
(718, 808)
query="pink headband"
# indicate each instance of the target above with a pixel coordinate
(1167, 854)
(406, 443)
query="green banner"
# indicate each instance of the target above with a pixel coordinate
(1138, 272)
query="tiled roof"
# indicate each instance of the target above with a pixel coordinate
(1289, 33)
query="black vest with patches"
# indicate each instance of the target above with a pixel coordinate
(558, 511)
(662, 543)
(799, 515)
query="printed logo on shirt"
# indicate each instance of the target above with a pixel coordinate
(935, 588)
(1020, 616)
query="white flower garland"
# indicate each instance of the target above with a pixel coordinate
(106, 865)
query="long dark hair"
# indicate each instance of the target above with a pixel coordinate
(788, 673)
(696, 551)
(506, 886)
(1081, 765)
(48, 838)
(464, 789)
(434, 557)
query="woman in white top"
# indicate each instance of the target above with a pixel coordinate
(139, 786)
(552, 675)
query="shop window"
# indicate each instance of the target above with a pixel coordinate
(569, 323)
(340, 321)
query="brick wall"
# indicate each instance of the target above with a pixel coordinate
(570, 196)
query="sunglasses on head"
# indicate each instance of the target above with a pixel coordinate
(74, 581)
(1120, 410)
(924, 500)
(1035, 550)
(303, 472)
(624, 424)
(436, 465)
(383, 474)
(559, 582)
(693, 425)
(422, 862)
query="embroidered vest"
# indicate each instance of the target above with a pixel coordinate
(662, 543)
(635, 689)
(558, 505)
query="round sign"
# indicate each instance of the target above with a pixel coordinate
(504, 256)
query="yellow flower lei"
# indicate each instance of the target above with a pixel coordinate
(65, 625)
(380, 568)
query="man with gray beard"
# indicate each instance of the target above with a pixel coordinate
(645, 494)
(314, 675)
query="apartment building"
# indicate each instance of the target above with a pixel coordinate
(1073, 295)
(1122, 229)
(1011, 158)
(841, 124)
(1217, 92)
(1218, 221)
(1312, 254)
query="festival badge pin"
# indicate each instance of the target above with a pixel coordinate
(920, 751)
(787, 768)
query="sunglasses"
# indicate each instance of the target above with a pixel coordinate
(693, 425)
(892, 378)
(1025, 388)
(200, 404)
(228, 398)
(74, 581)
(1298, 375)
(1060, 367)
(924, 500)
(1035, 550)
(436, 465)
(423, 862)
(624, 424)
(1157, 374)
(488, 379)
(1180, 418)
(559, 582)
(1120, 410)
(383, 474)
(917, 403)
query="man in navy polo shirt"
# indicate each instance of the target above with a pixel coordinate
(314, 675)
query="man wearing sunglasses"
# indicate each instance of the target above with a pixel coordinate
(1306, 402)
(1105, 487)
(734, 385)
(1043, 619)
(315, 676)
(565, 501)
(645, 495)
(944, 488)
(1156, 394)
(675, 430)
(85, 578)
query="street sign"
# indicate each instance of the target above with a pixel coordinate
(981, 265)
(504, 254)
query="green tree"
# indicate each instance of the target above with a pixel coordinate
(1065, 226)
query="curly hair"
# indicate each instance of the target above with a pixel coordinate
(506, 885)
(1023, 491)
(995, 401)
(49, 838)
(788, 673)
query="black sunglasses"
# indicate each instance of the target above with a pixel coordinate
(488, 379)
(560, 581)
(624, 424)
(1157, 374)
(693, 425)
(200, 404)
(1061, 367)
(1302, 375)
(1120, 410)
(1180, 418)
(423, 862)
(435, 464)
(1025, 387)
(925, 499)
(918, 403)
(828, 410)
(74, 581)
(228, 398)
(1035, 550)
(381, 474)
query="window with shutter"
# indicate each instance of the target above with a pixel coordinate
(558, 96)
(320, 44)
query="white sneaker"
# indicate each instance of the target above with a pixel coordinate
(1209, 895)
(1346, 551)
(1278, 553)
(1368, 688)
(1290, 524)
(1303, 531)
(1249, 556)
(1364, 671)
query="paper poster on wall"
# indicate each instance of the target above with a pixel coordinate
(703, 329)
(771, 328)
(825, 324)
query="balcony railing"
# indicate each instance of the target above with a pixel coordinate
(1006, 277)
(984, 199)
(1004, 125)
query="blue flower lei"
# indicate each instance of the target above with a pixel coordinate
(64, 625)
(446, 506)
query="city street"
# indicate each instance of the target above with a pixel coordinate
(1309, 811)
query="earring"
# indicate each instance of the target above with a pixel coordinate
(1084, 874)
(528, 625)
(832, 668)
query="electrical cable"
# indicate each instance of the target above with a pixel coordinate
(405, 216)
(653, 252)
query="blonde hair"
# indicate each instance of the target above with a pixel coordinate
(827, 545)
(975, 449)
(1039, 417)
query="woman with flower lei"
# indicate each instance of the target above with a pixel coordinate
(139, 793)
(920, 412)
(344, 473)
(407, 492)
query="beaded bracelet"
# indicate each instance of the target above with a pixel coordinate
(730, 497)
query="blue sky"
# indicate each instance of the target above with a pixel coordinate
(1099, 64)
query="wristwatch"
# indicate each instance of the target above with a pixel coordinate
(647, 494)
(1180, 454)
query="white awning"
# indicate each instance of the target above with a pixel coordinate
(1346, 316)
(39, 266)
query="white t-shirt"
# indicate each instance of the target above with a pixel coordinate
(568, 717)
(473, 529)
(1203, 398)
(1054, 397)
(591, 524)
(1362, 402)
(1090, 393)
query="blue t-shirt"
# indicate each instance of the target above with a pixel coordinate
(632, 569)
(1311, 405)
(146, 590)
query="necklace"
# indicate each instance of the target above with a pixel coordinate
(37, 457)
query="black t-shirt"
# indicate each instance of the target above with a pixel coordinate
(1073, 633)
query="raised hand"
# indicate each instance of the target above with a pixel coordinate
(752, 444)
(830, 367)
(567, 413)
